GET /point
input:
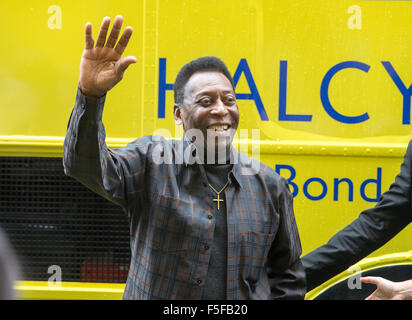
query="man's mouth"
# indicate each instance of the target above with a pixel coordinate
(219, 127)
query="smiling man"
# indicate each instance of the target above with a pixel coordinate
(205, 104)
(199, 229)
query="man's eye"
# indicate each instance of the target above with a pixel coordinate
(230, 100)
(206, 101)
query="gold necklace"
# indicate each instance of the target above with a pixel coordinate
(218, 200)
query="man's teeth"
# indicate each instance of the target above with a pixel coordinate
(217, 127)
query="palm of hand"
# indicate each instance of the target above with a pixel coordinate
(98, 65)
(386, 290)
(102, 67)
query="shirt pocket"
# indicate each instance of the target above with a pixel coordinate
(255, 249)
(171, 222)
(259, 243)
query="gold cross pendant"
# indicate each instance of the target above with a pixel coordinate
(218, 200)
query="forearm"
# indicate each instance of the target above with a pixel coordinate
(371, 230)
(85, 154)
(343, 250)
(83, 129)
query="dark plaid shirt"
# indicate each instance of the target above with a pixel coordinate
(170, 210)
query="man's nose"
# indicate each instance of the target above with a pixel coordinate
(219, 108)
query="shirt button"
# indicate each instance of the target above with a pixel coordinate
(210, 217)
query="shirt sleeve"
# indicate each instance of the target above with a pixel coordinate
(371, 230)
(112, 173)
(285, 271)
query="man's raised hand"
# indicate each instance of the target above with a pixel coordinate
(101, 66)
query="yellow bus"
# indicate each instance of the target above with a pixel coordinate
(327, 84)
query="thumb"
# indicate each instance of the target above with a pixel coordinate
(123, 64)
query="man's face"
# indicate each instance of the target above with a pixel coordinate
(209, 105)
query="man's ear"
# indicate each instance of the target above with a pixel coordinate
(177, 112)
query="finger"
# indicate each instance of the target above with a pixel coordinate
(114, 34)
(373, 280)
(89, 42)
(124, 40)
(101, 39)
(123, 64)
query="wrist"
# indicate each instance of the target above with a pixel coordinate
(91, 108)
(404, 290)
(90, 93)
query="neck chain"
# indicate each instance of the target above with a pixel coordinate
(218, 200)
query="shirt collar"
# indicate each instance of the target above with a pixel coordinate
(190, 157)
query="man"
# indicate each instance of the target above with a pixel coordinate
(371, 230)
(198, 230)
